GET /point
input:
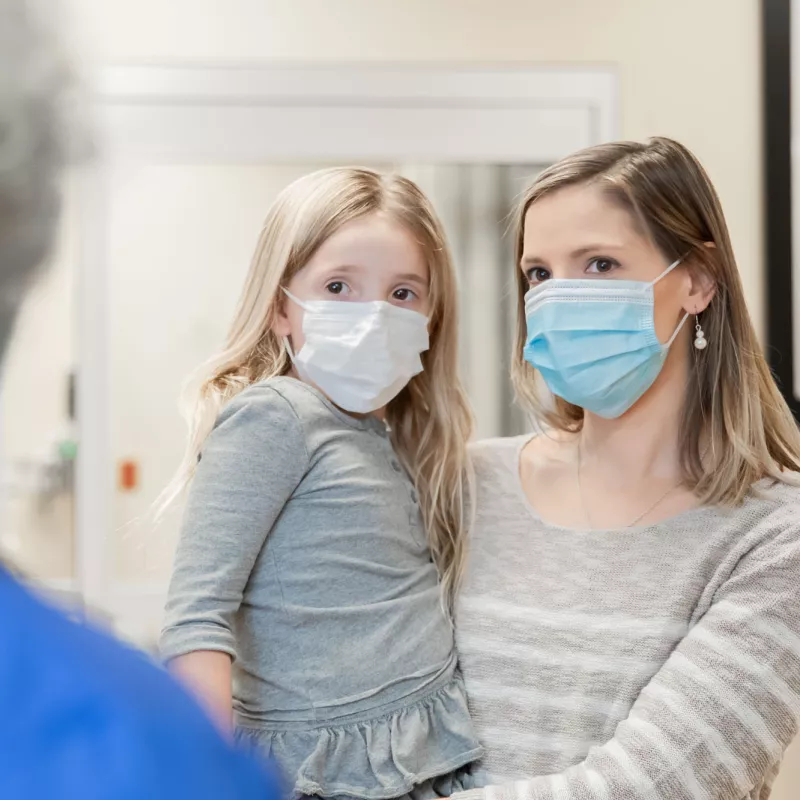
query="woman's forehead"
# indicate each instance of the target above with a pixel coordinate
(576, 219)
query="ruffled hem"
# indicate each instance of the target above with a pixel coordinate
(378, 758)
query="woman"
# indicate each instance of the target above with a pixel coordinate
(629, 624)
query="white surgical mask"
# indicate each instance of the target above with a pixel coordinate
(361, 355)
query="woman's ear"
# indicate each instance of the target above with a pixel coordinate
(702, 286)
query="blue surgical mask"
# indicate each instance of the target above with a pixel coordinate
(594, 341)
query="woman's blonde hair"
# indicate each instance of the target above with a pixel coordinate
(430, 420)
(737, 428)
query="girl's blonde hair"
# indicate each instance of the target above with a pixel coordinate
(430, 420)
(737, 428)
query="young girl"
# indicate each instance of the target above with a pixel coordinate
(306, 595)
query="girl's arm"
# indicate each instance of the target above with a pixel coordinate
(251, 464)
(207, 674)
(714, 721)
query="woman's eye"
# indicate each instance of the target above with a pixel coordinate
(404, 295)
(601, 266)
(336, 287)
(537, 275)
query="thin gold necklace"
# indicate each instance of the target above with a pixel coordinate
(636, 519)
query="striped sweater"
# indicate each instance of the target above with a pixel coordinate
(660, 662)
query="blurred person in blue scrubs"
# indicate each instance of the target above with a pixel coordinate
(81, 716)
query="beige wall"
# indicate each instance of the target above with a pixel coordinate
(689, 69)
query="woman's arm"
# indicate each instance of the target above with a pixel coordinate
(251, 464)
(207, 675)
(713, 723)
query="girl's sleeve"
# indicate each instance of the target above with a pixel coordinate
(251, 464)
(713, 723)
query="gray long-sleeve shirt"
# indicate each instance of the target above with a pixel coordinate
(653, 663)
(303, 556)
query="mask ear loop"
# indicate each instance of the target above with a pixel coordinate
(686, 315)
(677, 331)
(296, 300)
(667, 270)
(288, 348)
(286, 344)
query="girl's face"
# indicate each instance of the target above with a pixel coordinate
(370, 258)
(579, 232)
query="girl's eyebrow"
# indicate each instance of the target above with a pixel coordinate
(411, 277)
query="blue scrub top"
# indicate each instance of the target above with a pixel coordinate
(82, 716)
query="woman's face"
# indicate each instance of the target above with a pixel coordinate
(580, 232)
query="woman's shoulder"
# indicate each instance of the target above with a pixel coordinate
(497, 460)
(769, 517)
(776, 502)
(506, 451)
(503, 449)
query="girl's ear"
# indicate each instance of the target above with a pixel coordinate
(281, 326)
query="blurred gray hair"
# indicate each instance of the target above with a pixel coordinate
(34, 84)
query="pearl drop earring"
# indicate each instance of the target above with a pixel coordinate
(700, 342)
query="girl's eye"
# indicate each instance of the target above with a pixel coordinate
(336, 287)
(601, 266)
(404, 295)
(537, 275)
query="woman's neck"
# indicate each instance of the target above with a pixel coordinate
(644, 442)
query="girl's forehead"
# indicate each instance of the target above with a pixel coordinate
(373, 233)
(377, 244)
